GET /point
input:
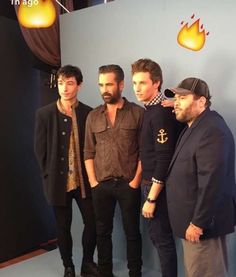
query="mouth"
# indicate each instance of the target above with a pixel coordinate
(106, 94)
(106, 97)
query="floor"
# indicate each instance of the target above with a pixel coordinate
(48, 264)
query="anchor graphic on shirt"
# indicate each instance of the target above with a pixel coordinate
(162, 136)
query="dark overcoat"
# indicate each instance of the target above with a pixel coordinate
(52, 136)
(201, 178)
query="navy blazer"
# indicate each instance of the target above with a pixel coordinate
(201, 178)
(52, 136)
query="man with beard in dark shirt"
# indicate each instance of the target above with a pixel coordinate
(112, 161)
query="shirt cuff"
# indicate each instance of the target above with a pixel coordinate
(154, 180)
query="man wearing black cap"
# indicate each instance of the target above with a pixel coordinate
(201, 181)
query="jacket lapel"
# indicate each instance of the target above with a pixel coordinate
(185, 135)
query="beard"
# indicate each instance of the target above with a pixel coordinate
(186, 116)
(179, 115)
(108, 98)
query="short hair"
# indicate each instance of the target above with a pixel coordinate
(71, 71)
(112, 68)
(148, 65)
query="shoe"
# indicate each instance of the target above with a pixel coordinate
(69, 272)
(89, 269)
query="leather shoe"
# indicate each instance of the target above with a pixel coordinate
(69, 272)
(89, 269)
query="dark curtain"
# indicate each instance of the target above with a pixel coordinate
(45, 42)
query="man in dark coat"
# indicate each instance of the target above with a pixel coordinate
(59, 142)
(201, 182)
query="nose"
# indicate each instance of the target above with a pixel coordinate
(136, 87)
(176, 103)
(103, 89)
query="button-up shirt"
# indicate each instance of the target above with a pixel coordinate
(74, 177)
(114, 149)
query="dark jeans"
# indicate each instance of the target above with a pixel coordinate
(63, 216)
(105, 195)
(161, 234)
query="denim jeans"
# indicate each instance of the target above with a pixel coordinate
(161, 234)
(105, 195)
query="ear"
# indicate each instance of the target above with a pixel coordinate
(157, 85)
(202, 101)
(79, 86)
(121, 85)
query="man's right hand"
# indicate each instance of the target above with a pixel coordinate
(94, 184)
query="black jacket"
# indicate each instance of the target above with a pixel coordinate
(201, 180)
(52, 135)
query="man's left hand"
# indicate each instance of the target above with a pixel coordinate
(148, 209)
(193, 233)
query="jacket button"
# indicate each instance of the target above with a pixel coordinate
(62, 158)
(65, 120)
(61, 172)
(63, 133)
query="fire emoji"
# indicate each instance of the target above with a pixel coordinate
(41, 14)
(192, 37)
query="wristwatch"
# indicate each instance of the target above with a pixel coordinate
(149, 200)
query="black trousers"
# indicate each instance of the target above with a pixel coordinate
(161, 234)
(63, 216)
(105, 195)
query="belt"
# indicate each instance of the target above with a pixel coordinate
(116, 179)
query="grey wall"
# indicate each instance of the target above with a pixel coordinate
(125, 30)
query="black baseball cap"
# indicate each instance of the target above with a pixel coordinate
(190, 86)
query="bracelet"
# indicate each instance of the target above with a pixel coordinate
(157, 181)
(149, 200)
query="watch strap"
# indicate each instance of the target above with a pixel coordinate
(149, 200)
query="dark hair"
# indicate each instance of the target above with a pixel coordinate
(112, 68)
(71, 71)
(148, 65)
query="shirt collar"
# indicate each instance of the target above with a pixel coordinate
(125, 106)
(156, 100)
(61, 108)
